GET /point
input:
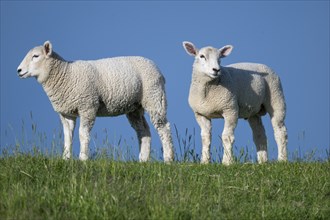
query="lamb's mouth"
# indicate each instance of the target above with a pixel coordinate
(214, 75)
(22, 75)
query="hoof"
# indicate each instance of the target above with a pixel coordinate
(83, 157)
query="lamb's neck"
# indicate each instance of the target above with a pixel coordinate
(200, 85)
(57, 75)
(57, 85)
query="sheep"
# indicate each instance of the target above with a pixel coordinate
(99, 88)
(240, 90)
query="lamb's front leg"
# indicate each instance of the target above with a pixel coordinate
(86, 124)
(228, 137)
(206, 126)
(68, 128)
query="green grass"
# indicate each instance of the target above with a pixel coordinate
(35, 183)
(40, 187)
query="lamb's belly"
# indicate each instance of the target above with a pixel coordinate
(250, 99)
(118, 107)
(246, 110)
(121, 98)
(214, 115)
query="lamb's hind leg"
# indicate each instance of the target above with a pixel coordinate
(276, 108)
(259, 138)
(280, 133)
(163, 128)
(155, 104)
(140, 125)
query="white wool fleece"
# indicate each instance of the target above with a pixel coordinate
(105, 87)
(241, 90)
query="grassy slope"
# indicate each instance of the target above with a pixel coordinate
(43, 188)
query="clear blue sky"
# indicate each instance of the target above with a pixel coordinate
(292, 37)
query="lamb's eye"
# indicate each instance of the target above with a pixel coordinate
(202, 56)
(35, 56)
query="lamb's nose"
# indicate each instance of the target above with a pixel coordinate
(19, 70)
(216, 70)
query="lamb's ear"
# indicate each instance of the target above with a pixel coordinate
(190, 48)
(225, 51)
(48, 48)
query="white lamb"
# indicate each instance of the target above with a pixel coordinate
(241, 90)
(105, 87)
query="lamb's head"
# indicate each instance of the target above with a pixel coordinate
(207, 59)
(37, 63)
